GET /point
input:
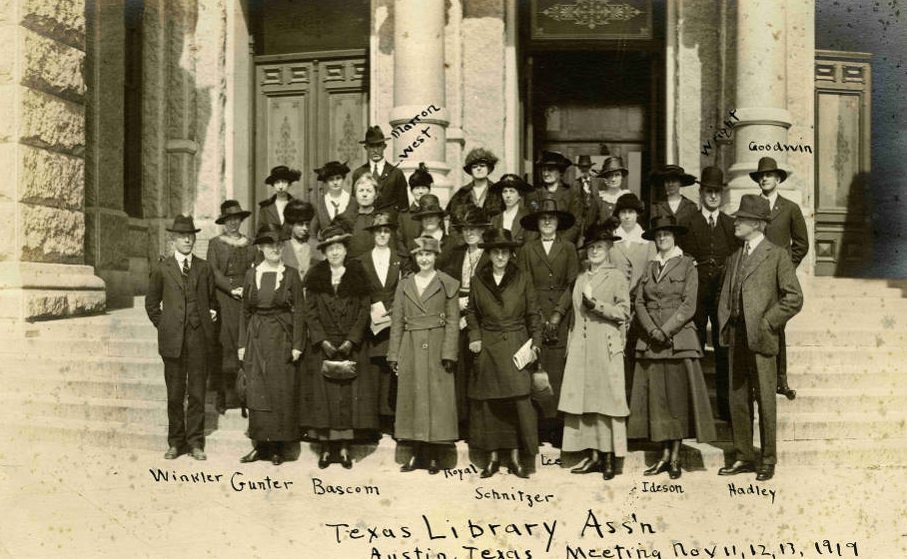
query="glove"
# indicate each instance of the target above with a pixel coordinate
(449, 366)
(588, 303)
(296, 354)
(476, 346)
(393, 366)
(329, 350)
(345, 348)
(551, 327)
(659, 336)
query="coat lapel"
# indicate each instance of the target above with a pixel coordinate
(409, 289)
(173, 268)
(556, 247)
(539, 249)
(752, 262)
(669, 265)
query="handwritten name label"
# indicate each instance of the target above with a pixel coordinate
(407, 126)
(531, 499)
(549, 461)
(723, 133)
(237, 480)
(778, 146)
(751, 489)
(649, 487)
(470, 470)
(319, 487)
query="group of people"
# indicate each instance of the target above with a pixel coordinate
(513, 316)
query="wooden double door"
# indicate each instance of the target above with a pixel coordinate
(310, 109)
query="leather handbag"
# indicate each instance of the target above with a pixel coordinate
(541, 385)
(338, 370)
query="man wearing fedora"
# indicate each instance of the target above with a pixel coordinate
(787, 229)
(710, 241)
(391, 182)
(299, 251)
(759, 294)
(551, 166)
(672, 178)
(271, 209)
(182, 306)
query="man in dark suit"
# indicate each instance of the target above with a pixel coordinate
(759, 294)
(391, 181)
(182, 306)
(710, 241)
(787, 229)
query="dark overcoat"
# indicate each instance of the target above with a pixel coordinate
(787, 229)
(503, 317)
(425, 331)
(165, 303)
(463, 199)
(378, 292)
(668, 302)
(229, 261)
(267, 211)
(392, 188)
(686, 210)
(516, 229)
(322, 216)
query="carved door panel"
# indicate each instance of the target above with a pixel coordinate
(310, 109)
(843, 93)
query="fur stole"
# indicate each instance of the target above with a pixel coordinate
(354, 282)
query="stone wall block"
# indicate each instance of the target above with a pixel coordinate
(8, 249)
(107, 240)
(51, 234)
(7, 113)
(56, 304)
(51, 179)
(53, 67)
(61, 20)
(52, 123)
(8, 43)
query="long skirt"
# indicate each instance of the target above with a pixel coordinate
(341, 409)
(669, 401)
(503, 424)
(273, 385)
(595, 431)
(228, 335)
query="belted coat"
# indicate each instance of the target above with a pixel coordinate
(668, 301)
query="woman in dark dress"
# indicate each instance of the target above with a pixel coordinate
(502, 315)
(271, 340)
(343, 407)
(668, 401)
(230, 255)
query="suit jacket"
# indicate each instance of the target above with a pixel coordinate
(165, 303)
(771, 296)
(667, 302)
(267, 211)
(552, 276)
(519, 234)
(392, 187)
(787, 229)
(697, 241)
(685, 211)
(322, 217)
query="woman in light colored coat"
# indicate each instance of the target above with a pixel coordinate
(423, 352)
(593, 397)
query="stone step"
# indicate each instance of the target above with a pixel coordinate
(93, 348)
(830, 338)
(809, 359)
(812, 400)
(853, 287)
(102, 330)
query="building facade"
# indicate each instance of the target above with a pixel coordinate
(119, 115)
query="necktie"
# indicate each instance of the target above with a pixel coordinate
(746, 248)
(375, 170)
(711, 221)
(336, 208)
(185, 266)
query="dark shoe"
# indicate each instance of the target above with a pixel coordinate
(787, 391)
(660, 466)
(738, 467)
(433, 467)
(172, 453)
(490, 469)
(608, 467)
(766, 472)
(411, 465)
(197, 453)
(674, 472)
(252, 456)
(588, 466)
(346, 461)
(517, 469)
(325, 460)
(277, 458)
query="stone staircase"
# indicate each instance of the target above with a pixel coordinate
(98, 381)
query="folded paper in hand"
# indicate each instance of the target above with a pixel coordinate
(524, 355)
(380, 318)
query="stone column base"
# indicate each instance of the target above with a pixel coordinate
(39, 291)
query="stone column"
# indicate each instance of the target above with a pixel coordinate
(106, 223)
(420, 115)
(42, 147)
(761, 95)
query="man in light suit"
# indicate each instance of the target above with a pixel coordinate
(181, 304)
(759, 294)
(391, 181)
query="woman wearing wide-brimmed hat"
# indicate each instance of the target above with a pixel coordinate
(461, 261)
(423, 352)
(668, 401)
(480, 163)
(613, 174)
(502, 315)
(230, 255)
(512, 190)
(593, 398)
(344, 401)
(551, 264)
(383, 267)
(408, 227)
(670, 179)
(551, 166)
(271, 339)
(280, 180)
(335, 199)
(430, 218)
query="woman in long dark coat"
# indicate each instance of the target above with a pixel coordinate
(382, 267)
(511, 188)
(668, 401)
(423, 352)
(502, 316)
(271, 340)
(337, 314)
(230, 255)
(551, 264)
